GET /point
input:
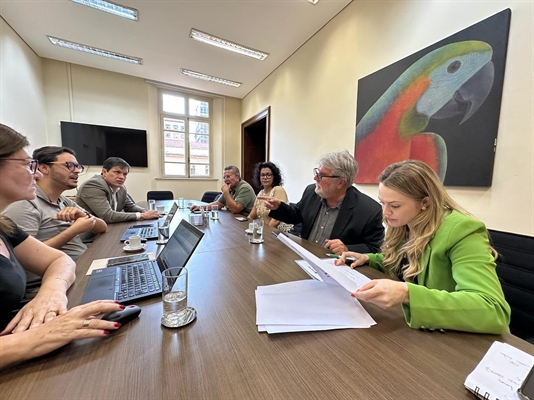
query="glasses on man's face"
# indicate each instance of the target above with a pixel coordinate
(71, 166)
(31, 164)
(266, 176)
(320, 176)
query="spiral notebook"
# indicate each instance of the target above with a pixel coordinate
(500, 373)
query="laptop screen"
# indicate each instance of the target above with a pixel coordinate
(180, 247)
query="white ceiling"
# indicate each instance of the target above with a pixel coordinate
(161, 37)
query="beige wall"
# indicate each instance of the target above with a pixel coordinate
(21, 87)
(82, 94)
(313, 96)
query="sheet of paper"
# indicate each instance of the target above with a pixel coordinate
(342, 275)
(500, 372)
(309, 269)
(103, 263)
(309, 303)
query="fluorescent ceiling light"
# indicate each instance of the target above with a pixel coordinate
(314, 1)
(94, 50)
(225, 44)
(209, 78)
(112, 8)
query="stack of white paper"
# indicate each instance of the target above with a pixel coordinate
(308, 306)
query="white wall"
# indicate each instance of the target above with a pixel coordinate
(313, 96)
(21, 87)
(81, 94)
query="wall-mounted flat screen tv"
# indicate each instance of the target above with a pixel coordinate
(94, 143)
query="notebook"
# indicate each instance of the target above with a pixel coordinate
(134, 281)
(149, 231)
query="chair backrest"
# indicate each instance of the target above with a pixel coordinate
(515, 268)
(209, 197)
(160, 195)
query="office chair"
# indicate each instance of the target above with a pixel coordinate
(209, 197)
(160, 195)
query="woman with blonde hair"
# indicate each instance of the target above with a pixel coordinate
(439, 253)
(43, 324)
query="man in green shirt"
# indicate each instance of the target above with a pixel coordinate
(237, 195)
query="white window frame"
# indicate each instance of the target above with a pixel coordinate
(187, 118)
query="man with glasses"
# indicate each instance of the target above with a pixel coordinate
(237, 195)
(51, 217)
(106, 196)
(332, 211)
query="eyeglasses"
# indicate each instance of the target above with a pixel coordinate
(71, 166)
(268, 176)
(321, 176)
(31, 164)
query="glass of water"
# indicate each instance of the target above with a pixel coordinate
(176, 313)
(151, 204)
(257, 231)
(214, 212)
(163, 233)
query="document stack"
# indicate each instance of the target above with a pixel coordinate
(312, 305)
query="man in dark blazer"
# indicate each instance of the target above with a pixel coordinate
(332, 211)
(106, 196)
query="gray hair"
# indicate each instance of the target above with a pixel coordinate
(234, 169)
(342, 163)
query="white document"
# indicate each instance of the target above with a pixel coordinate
(308, 304)
(309, 269)
(342, 275)
(500, 373)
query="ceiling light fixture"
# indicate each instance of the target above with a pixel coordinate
(314, 1)
(112, 8)
(209, 78)
(225, 44)
(94, 50)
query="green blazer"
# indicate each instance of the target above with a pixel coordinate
(458, 287)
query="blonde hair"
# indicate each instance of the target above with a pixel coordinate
(415, 179)
(10, 142)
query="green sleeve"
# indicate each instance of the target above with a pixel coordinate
(375, 261)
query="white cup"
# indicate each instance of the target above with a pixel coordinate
(133, 242)
(161, 209)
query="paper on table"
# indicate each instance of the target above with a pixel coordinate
(342, 275)
(500, 372)
(103, 263)
(309, 269)
(309, 303)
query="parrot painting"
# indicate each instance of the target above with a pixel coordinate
(394, 127)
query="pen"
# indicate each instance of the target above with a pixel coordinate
(332, 255)
(347, 259)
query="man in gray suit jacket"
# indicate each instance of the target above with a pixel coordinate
(106, 196)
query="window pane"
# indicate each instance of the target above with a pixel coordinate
(200, 170)
(174, 146)
(199, 146)
(199, 127)
(171, 124)
(199, 108)
(173, 104)
(174, 169)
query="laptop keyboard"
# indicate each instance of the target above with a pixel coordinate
(148, 232)
(138, 279)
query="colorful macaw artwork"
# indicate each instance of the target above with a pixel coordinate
(426, 108)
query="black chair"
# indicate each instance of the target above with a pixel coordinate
(297, 228)
(160, 195)
(209, 197)
(515, 268)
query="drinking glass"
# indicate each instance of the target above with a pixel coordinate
(151, 204)
(163, 233)
(176, 313)
(215, 212)
(257, 231)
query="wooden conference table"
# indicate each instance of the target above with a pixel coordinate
(221, 355)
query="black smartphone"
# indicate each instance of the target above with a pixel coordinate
(526, 391)
(127, 259)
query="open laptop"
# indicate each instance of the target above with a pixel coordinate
(149, 231)
(137, 280)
